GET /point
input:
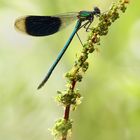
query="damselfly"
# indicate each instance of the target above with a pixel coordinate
(48, 25)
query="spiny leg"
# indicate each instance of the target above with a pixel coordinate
(79, 39)
(84, 25)
(87, 26)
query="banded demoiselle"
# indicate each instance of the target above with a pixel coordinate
(48, 25)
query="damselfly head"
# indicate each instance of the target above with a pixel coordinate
(96, 11)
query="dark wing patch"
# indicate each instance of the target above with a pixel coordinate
(42, 25)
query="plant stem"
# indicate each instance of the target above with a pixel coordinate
(71, 97)
(67, 109)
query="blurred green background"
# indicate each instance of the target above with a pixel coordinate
(110, 109)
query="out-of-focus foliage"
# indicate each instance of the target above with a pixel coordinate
(110, 109)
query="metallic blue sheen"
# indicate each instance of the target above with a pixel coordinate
(78, 24)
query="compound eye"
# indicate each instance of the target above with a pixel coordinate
(97, 11)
